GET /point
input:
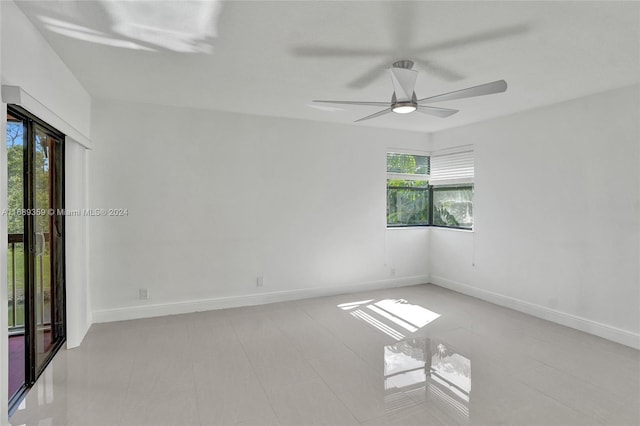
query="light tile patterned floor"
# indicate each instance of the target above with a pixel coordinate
(417, 355)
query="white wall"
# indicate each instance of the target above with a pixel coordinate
(216, 199)
(29, 62)
(4, 343)
(557, 216)
(76, 243)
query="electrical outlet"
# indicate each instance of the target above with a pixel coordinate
(260, 281)
(143, 293)
(392, 271)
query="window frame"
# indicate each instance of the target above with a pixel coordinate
(446, 187)
(430, 189)
(416, 177)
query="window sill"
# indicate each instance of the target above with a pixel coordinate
(408, 227)
(446, 228)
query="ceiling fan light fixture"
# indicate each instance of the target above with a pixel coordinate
(405, 101)
(404, 108)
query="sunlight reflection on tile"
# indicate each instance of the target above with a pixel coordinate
(45, 387)
(377, 324)
(389, 313)
(414, 314)
(429, 370)
(339, 360)
(392, 318)
(352, 305)
(41, 400)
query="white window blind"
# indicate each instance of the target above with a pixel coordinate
(452, 169)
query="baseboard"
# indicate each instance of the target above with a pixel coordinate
(183, 307)
(605, 331)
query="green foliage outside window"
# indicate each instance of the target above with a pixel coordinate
(407, 163)
(408, 201)
(453, 207)
(15, 140)
(15, 166)
(407, 196)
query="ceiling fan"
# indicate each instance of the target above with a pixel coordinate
(404, 99)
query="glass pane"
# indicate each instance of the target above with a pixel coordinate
(407, 163)
(10, 286)
(15, 286)
(15, 137)
(407, 203)
(15, 166)
(57, 244)
(453, 207)
(42, 246)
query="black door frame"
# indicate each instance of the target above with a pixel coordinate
(57, 263)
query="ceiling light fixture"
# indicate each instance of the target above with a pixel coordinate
(404, 107)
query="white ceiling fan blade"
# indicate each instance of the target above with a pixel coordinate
(404, 81)
(354, 103)
(377, 114)
(481, 90)
(438, 112)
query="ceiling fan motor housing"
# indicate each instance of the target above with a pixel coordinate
(404, 107)
(404, 99)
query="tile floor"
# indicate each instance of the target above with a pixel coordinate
(417, 355)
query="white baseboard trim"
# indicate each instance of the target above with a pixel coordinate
(183, 307)
(605, 331)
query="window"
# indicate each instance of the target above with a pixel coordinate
(452, 189)
(453, 207)
(436, 190)
(407, 189)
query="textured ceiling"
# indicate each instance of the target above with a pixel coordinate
(273, 58)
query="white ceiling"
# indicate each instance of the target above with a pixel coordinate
(273, 58)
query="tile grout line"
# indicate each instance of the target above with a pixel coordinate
(543, 392)
(361, 422)
(195, 382)
(253, 369)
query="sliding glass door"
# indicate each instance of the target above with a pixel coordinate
(45, 237)
(16, 261)
(35, 201)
